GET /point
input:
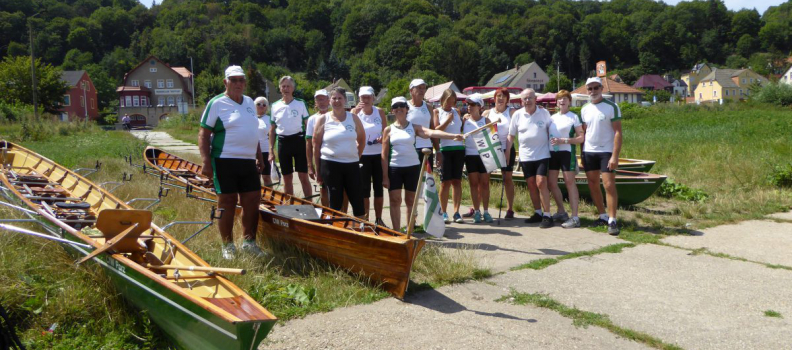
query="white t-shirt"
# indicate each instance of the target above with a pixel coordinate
(599, 118)
(339, 142)
(264, 126)
(470, 143)
(533, 133)
(402, 147)
(309, 127)
(372, 124)
(289, 118)
(234, 127)
(503, 122)
(420, 116)
(563, 126)
(454, 127)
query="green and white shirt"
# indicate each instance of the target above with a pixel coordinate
(309, 127)
(599, 118)
(234, 127)
(289, 119)
(532, 131)
(563, 126)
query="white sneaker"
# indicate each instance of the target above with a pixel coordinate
(251, 248)
(571, 223)
(229, 250)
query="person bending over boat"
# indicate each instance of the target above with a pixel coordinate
(229, 145)
(420, 113)
(532, 124)
(322, 105)
(373, 120)
(447, 118)
(264, 126)
(478, 177)
(566, 131)
(338, 141)
(603, 134)
(501, 114)
(289, 116)
(400, 164)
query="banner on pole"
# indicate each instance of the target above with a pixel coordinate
(433, 222)
(490, 148)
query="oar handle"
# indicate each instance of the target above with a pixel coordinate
(227, 270)
(467, 134)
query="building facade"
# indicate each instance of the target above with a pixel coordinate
(611, 90)
(526, 76)
(81, 99)
(154, 90)
(787, 77)
(695, 75)
(727, 84)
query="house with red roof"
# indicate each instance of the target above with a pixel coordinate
(653, 82)
(153, 90)
(615, 91)
(81, 100)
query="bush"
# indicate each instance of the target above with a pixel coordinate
(14, 111)
(671, 189)
(781, 176)
(775, 93)
(633, 110)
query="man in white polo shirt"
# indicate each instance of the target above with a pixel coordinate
(229, 145)
(289, 115)
(322, 104)
(603, 132)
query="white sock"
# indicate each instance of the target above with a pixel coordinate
(604, 216)
(547, 215)
(611, 220)
(576, 218)
(537, 211)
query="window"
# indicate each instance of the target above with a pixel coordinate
(734, 92)
(534, 75)
(147, 84)
(178, 100)
(153, 70)
(170, 100)
(121, 102)
(743, 80)
(727, 92)
(741, 92)
(714, 93)
(170, 83)
(136, 101)
(161, 101)
(700, 96)
(143, 101)
(66, 100)
(129, 101)
(135, 83)
(160, 84)
(87, 86)
(751, 80)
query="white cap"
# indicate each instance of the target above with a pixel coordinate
(234, 71)
(261, 99)
(366, 90)
(594, 80)
(396, 100)
(322, 92)
(475, 98)
(417, 82)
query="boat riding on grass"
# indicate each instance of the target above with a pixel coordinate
(191, 301)
(382, 255)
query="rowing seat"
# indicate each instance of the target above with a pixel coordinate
(122, 229)
(78, 205)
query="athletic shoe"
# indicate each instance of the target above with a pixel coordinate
(509, 215)
(487, 217)
(229, 250)
(251, 248)
(379, 222)
(469, 214)
(547, 222)
(560, 217)
(613, 229)
(535, 218)
(458, 219)
(477, 217)
(446, 219)
(600, 222)
(571, 223)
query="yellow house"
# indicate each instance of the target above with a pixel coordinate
(727, 84)
(693, 77)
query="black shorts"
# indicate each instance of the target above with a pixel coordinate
(562, 160)
(535, 167)
(404, 177)
(431, 157)
(474, 164)
(267, 169)
(234, 175)
(371, 171)
(596, 161)
(453, 162)
(291, 154)
(512, 160)
(343, 178)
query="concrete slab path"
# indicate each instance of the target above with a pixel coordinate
(166, 142)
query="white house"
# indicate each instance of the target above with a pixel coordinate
(787, 77)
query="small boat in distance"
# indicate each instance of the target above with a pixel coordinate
(629, 164)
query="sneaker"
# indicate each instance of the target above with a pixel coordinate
(509, 215)
(469, 214)
(571, 223)
(600, 222)
(613, 229)
(381, 223)
(477, 217)
(251, 248)
(560, 217)
(229, 250)
(458, 219)
(446, 219)
(547, 222)
(487, 217)
(535, 218)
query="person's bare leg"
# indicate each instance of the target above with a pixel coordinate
(534, 192)
(609, 182)
(249, 201)
(475, 195)
(552, 184)
(266, 180)
(445, 186)
(508, 181)
(227, 202)
(394, 198)
(306, 184)
(288, 186)
(572, 191)
(456, 185)
(409, 200)
(379, 203)
(366, 207)
(323, 197)
(594, 187)
(484, 190)
(544, 193)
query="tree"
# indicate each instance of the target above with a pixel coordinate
(554, 82)
(76, 60)
(16, 86)
(746, 45)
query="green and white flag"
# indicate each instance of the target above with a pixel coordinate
(490, 148)
(433, 220)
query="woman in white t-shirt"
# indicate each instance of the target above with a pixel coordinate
(566, 131)
(502, 115)
(373, 120)
(478, 177)
(264, 125)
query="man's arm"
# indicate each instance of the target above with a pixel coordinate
(613, 163)
(204, 135)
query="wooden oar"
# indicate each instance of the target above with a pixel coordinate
(229, 271)
(467, 134)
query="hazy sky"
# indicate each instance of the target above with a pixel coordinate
(735, 5)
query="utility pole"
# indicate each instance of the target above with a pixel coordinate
(558, 76)
(192, 81)
(33, 67)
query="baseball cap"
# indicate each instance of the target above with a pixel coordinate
(261, 99)
(366, 90)
(475, 98)
(399, 99)
(594, 80)
(417, 82)
(321, 92)
(234, 71)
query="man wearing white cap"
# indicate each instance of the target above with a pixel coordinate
(321, 104)
(289, 116)
(603, 140)
(265, 124)
(420, 113)
(373, 120)
(229, 145)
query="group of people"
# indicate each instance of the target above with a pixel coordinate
(351, 154)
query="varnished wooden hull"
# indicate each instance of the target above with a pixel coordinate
(385, 256)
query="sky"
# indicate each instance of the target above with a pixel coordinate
(734, 5)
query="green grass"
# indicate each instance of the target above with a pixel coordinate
(581, 318)
(183, 127)
(543, 263)
(771, 313)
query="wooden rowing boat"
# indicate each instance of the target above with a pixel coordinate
(385, 256)
(194, 305)
(629, 164)
(632, 187)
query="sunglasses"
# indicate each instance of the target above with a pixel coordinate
(594, 88)
(236, 80)
(372, 142)
(399, 105)
(473, 104)
(261, 104)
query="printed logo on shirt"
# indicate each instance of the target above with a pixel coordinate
(294, 112)
(349, 128)
(540, 123)
(378, 121)
(250, 110)
(409, 131)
